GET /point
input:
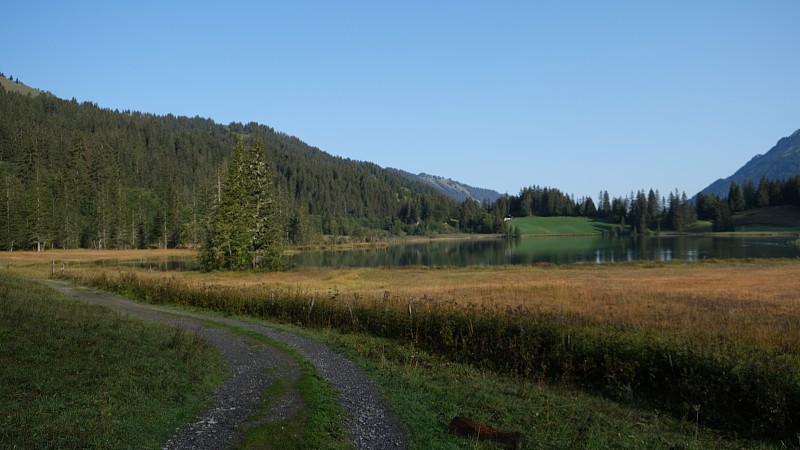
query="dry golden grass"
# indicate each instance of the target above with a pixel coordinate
(44, 260)
(84, 255)
(756, 302)
(42, 263)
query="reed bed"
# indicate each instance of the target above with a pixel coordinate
(713, 343)
(754, 303)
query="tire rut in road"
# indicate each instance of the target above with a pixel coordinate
(252, 367)
(371, 425)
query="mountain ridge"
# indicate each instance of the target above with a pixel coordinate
(782, 161)
(452, 188)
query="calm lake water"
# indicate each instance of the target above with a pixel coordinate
(531, 250)
(555, 250)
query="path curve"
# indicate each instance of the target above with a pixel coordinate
(371, 425)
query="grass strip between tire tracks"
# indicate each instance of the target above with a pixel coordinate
(317, 424)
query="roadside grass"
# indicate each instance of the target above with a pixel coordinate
(74, 375)
(426, 391)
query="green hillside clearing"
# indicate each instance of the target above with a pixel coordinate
(12, 86)
(559, 225)
(784, 218)
(773, 219)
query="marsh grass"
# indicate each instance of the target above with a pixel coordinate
(696, 341)
(74, 375)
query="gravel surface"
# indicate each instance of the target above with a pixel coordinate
(371, 425)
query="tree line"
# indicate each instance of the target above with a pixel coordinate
(642, 212)
(745, 197)
(645, 212)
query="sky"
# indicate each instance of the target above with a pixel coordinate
(582, 96)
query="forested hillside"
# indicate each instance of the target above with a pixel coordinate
(77, 175)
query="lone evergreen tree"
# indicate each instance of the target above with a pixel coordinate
(244, 230)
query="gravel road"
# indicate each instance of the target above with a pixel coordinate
(371, 425)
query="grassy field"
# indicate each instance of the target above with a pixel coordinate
(74, 375)
(21, 88)
(645, 355)
(749, 300)
(777, 219)
(559, 226)
(774, 219)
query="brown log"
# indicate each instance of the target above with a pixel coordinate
(461, 426)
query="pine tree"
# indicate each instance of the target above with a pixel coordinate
(736, 201)
(653, 210)
(12, 219)
(245, 230)
(722, 217)
(762, 193)
(638, 211)
(675, 217)
(589, 209)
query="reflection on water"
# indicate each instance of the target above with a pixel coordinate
(555, 250)
(165, 264)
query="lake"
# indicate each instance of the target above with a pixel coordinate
(555, 250)
(531, 250)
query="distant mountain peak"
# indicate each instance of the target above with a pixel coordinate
(782, 161)
(452, 188)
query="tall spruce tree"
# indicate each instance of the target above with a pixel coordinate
(736, 202)
(244, 230)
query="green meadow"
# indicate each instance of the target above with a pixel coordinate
(559, 226)
(785, 218)
(775, 219)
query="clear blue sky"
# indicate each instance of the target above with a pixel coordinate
(577, 95)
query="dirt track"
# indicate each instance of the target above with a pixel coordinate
(370, 423)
